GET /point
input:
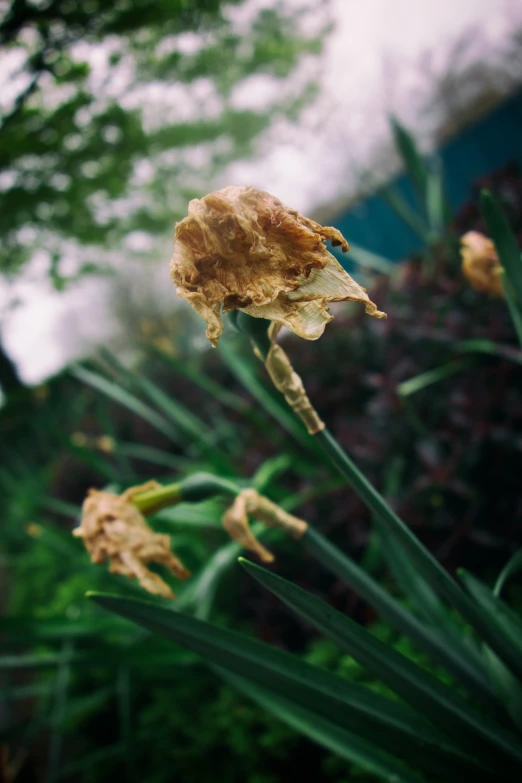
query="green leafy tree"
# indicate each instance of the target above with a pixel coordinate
(115, 113)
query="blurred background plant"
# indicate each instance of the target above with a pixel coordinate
(115, 116)
(428, 401)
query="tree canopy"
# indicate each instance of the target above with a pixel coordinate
(113, 114)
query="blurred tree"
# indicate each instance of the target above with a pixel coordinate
(114, 114)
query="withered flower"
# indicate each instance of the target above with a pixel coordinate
(242, 249)
(250, 502)
(480, 263)
(114, 529)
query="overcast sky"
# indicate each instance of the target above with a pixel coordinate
(368, 38)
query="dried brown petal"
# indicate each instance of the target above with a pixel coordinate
(235, 522)
(114, 529)
(242, 249)
(480, 263)
(250, 502)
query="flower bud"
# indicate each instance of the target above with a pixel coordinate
(480, 263)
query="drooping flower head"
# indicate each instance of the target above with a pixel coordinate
(242, 249)
(480, 263)
(250, 503)
(114, 529)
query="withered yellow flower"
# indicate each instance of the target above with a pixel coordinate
(113, 529)
(250, 502)
(242, 249)
(480, 263)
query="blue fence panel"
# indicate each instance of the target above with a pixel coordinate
(483, 147)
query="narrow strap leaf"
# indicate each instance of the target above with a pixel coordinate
(123, 397)
(343, 743)
(424, 692)
(505, 241)
(512, 567)
(429, 568)
(393, 726)
(439, 649)
(506, 624)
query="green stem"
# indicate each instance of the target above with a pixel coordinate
(428, 566)
(201, 486)
(156, 499)
(198, 487)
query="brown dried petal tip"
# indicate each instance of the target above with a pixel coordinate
(480, 263)
(242, 249)
(249, 501)
(114, 529)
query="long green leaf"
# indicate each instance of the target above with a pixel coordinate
(489, 348)
(125, 721)
(412, 583)
(179, 414)
(405, 212)
(429, 568)
(35, 629)
(515, 309)
(437, 206)
(414, 164)
(343, 743)
(394, 727)
(36, 660)
(154, 456)
(508, 687)
(418, 590)
(196, 430)
(424, 692)
(507, 624)
(428, 378)
(444, 651)
(61, 694)
(269, 470)
(198, 433)
(123, 397)
(201, 379)
(505, 241)
(512, 567)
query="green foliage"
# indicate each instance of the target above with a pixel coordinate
(472, 743)
(49, 573)
(176, 711)
(432, 212)
(432, 691)
(509, 255)
(77, 133)
(470, 725)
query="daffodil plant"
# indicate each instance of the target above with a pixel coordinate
(242, 251)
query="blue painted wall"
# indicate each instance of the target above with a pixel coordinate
(487, 145)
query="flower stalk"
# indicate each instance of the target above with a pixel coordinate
(434, 574)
